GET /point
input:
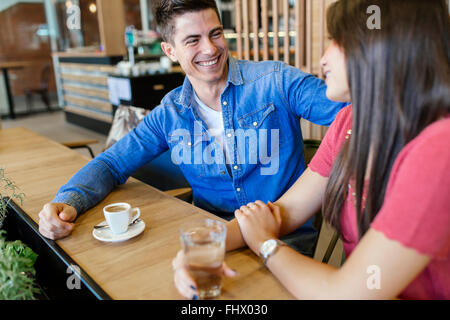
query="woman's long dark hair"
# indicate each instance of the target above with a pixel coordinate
(399, 79)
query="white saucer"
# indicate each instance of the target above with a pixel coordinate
(105, 234)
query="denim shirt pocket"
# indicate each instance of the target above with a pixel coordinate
(264, 118)
(187, 152)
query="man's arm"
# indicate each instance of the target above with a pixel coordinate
(305, 95)
(95, 180)
(113, 167)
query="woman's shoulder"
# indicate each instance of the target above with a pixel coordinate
(344, 115)
(416, 205)
(426, 156)
(343, 120)
(336, 135)
(437, 130)
(341, 127)
(433, 141)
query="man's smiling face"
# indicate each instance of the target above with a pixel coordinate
(199, 46)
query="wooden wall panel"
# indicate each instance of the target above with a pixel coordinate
(112, 25)
(301, 42)
(89, 20)
(19, 42)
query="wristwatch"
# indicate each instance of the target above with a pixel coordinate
(269, 248)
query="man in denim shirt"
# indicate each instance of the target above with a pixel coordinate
(254, 152)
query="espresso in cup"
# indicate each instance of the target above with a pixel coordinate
(119, 216)
(115, 208)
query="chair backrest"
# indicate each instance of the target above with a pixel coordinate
(125, 119)
(161, 172)
(310, 147)
(45, 77)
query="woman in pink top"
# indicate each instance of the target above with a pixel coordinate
(382, 172)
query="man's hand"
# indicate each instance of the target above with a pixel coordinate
(55, 220)
(259, 222)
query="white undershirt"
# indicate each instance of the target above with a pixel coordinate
(213, 120)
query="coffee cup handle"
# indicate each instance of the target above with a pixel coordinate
(137, 215)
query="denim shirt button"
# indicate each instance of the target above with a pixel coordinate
(229, 135)
(222, 172)
(235, 167)
(224, 103)
(238, 189)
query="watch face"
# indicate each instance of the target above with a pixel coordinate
(268, 247)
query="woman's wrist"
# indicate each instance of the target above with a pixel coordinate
(234, 239)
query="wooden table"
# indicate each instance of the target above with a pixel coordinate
(141, 267)
(5, 66)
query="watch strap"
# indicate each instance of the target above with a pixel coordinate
(279, 244)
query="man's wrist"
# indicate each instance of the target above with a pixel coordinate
(71, 199)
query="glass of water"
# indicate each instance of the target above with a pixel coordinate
(203, 244)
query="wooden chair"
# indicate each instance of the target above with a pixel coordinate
(83, 144)
(42, 90)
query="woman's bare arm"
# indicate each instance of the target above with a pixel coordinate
(379, 268)
(297, 206)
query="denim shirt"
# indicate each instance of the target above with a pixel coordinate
(261, 107)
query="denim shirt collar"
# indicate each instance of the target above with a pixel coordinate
(234, 72)
(234, 76)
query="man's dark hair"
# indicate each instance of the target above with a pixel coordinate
(165, 10)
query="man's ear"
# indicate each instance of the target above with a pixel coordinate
(169, 50)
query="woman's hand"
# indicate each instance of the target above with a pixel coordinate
(185, 283)
(259, 222)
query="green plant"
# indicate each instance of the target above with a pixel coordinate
(17, 260)
(11, 190)
(16, 270)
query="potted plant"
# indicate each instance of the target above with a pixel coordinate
(17, 273)
(8, 191)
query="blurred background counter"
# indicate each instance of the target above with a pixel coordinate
(91, 86)
(105, 54)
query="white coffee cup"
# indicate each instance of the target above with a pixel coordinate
(119, 216)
